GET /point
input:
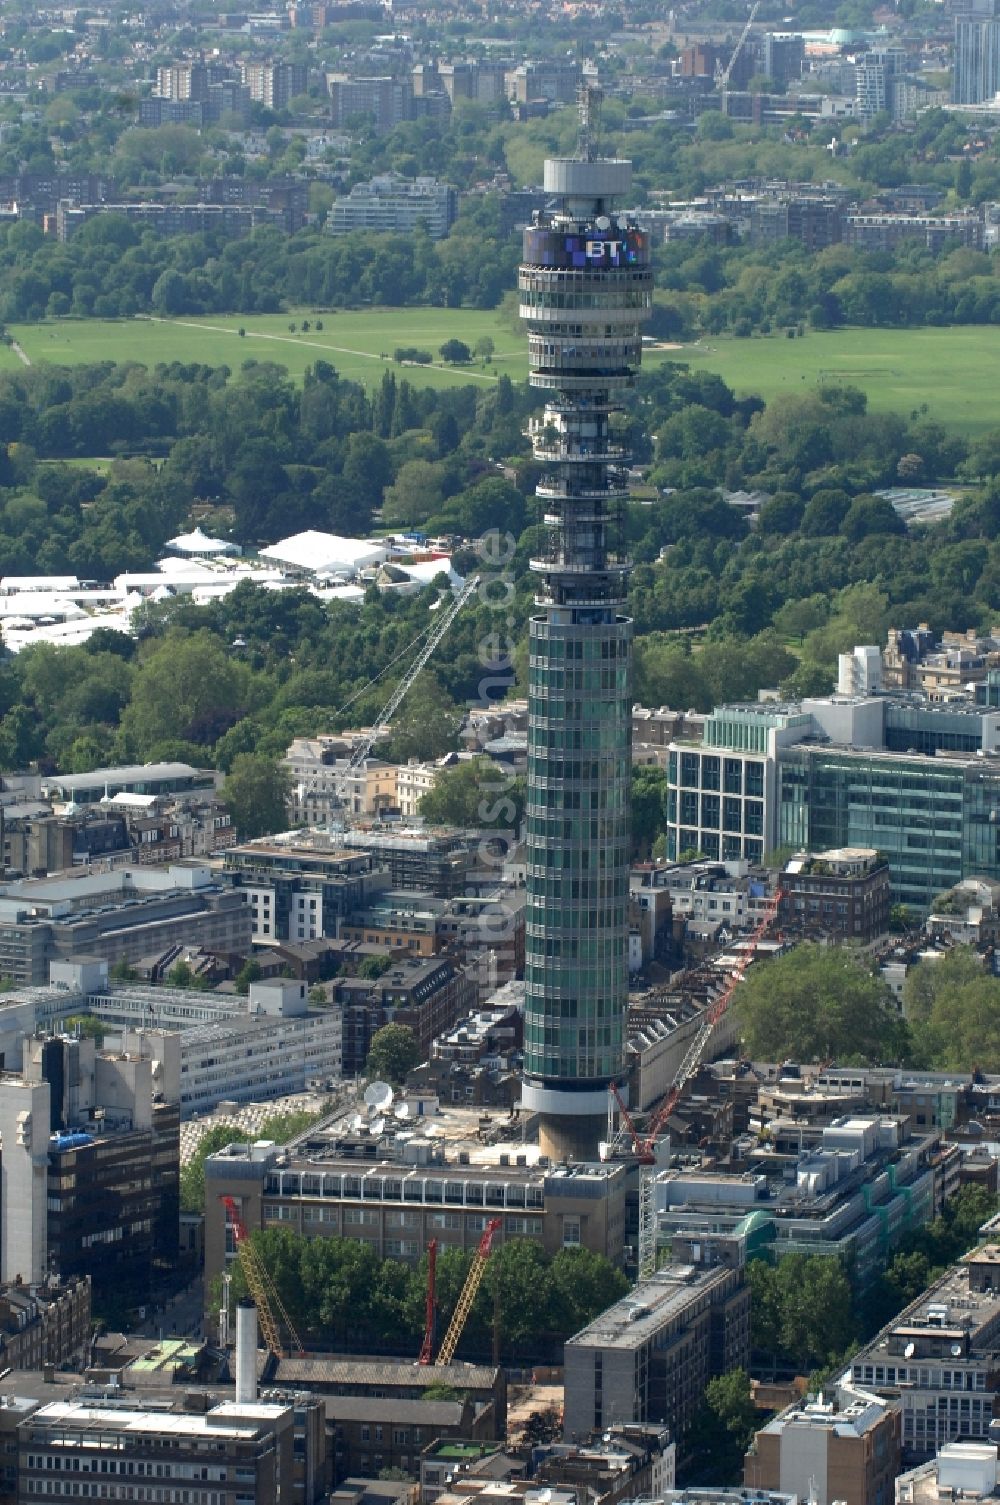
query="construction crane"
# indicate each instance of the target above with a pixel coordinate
(640, 1144)
(261, 1286)
(427, 1347)
(361, 749)
(463, 1306)
(722, 76)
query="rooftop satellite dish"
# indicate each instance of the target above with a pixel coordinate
(378, 1095)
(402, 1110)
(909, 1350)
(377, 1125)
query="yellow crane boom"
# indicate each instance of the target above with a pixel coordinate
(463, 1306)
(261, 1286)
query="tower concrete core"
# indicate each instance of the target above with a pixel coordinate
(585, 288)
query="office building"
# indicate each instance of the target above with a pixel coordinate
(396, 205)
(976, 71)
(101, 1451)
(854, 1194)
(914, 780)
(937, 1359)
(124, 914)
(648, 1358)
(579, 257)
(91, 1163)
(398, 1187)
(876, 74)
(824, 1452)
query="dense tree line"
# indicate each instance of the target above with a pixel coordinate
(721, 610)
(113, 267)
(341, 1295)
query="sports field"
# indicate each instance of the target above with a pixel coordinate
(955, 371)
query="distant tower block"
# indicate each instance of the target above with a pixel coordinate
(585, 289)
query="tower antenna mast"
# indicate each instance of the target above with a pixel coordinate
(589, 99)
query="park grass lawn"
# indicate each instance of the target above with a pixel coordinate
(356, 343)
(955, 371)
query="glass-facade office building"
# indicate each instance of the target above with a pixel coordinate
(936, 819)
(585, 287)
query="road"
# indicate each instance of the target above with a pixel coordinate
(181, 1317)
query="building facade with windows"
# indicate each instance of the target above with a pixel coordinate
(396, 1196)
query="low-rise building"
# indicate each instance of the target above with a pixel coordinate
(44, 1324)
(825, 1452)
(961, 1471)
(843, 893)
(427, 996)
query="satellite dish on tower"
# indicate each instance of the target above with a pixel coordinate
(602, 1150)
(376, 1126)
(402, 1110)
(378, 1095)
(909, 1350)
(357, 1122)
(956, 1350)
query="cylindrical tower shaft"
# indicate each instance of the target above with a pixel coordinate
(585, 288)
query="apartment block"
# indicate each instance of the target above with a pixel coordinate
(427, 996)
(398, 205)
(843, 893)
(301, 887)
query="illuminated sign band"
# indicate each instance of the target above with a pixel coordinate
(616, 248)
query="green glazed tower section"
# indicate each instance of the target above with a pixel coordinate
(585, 286)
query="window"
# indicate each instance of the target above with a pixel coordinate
(571, 1232)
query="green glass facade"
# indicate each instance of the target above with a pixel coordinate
(936, 819)
(585, 287)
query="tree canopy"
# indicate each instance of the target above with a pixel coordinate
(819, 1003)
(952, 1005)
(393, 1053)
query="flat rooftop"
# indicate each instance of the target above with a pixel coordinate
(639, 1316)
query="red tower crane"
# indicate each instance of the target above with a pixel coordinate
(640, 1144)
(427, 1347)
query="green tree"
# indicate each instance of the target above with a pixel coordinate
(186, 688)
(255, 792)
(476, 794)
(722, 1430)
(953, 1009)
(251, 971)
(394, 1052)
(372, 967)
(456, 352)
(427, 723)
(649, 807)
(193, 1174)
(818, 1003)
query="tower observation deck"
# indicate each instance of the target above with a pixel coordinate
(585, 286)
